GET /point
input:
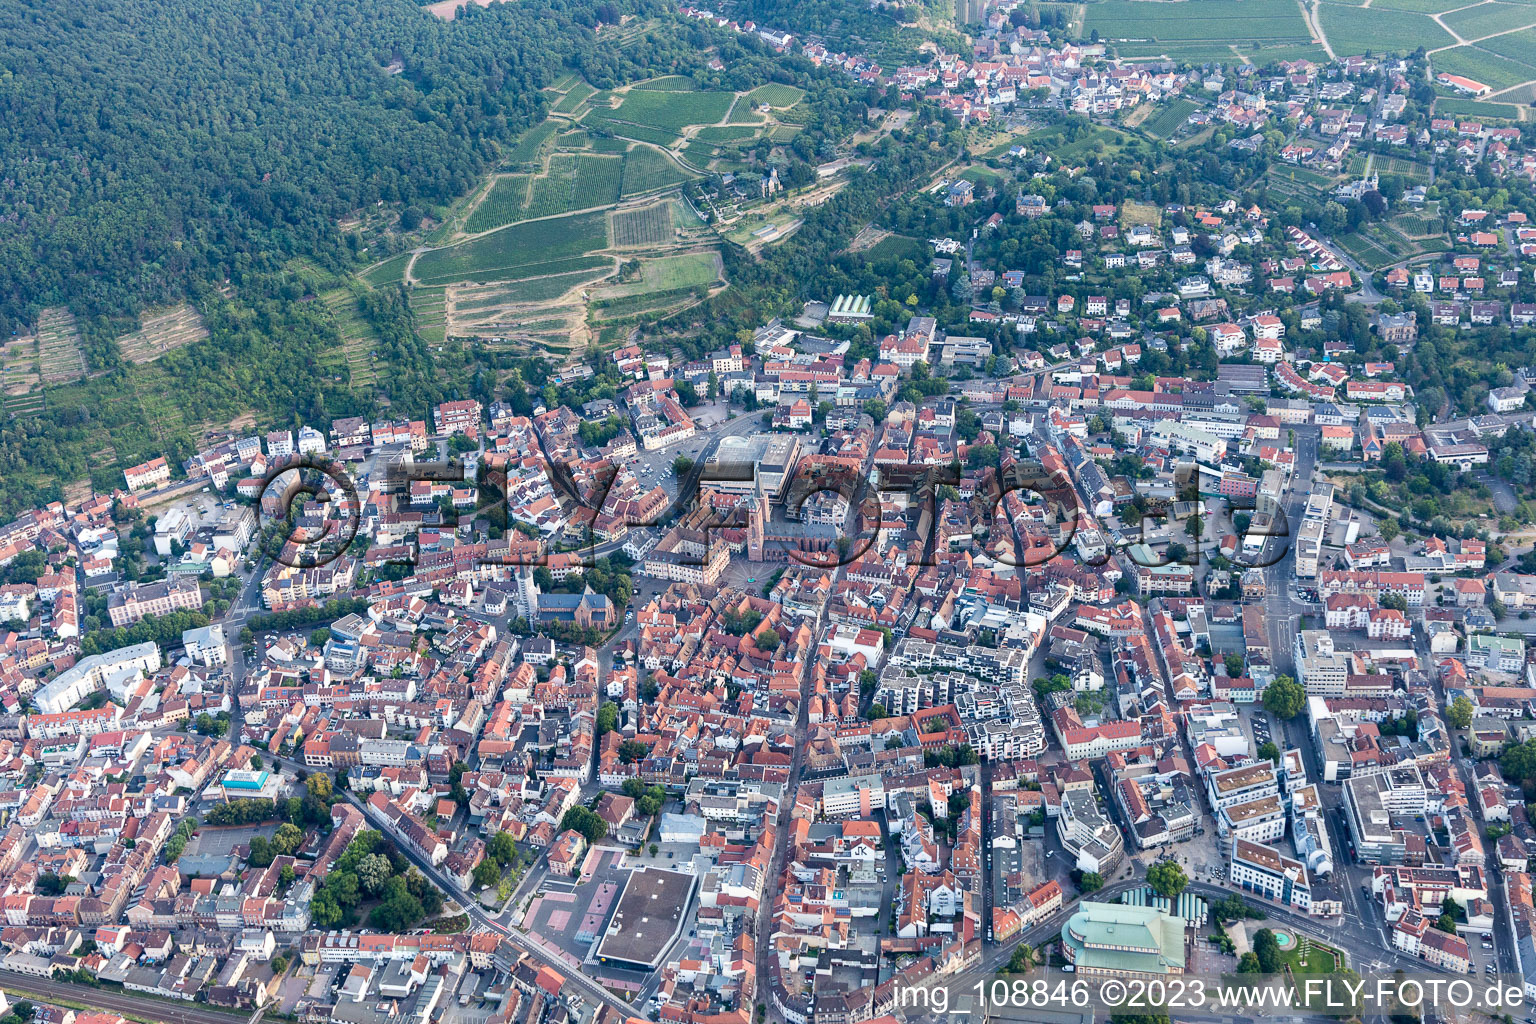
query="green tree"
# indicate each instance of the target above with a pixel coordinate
(1459, 714)
(586, 822)
(1284, 698)
(487, 873)
(373, 873)
(607, 717)
(1234, 665)
(1267, 950)
(1248, 963)
(1167, 879)
(1269, 752)
(286, 839)
(1091, 881)
(502, 848)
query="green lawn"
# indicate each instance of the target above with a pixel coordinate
(1309, 956)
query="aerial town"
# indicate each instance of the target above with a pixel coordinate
(1109, 554)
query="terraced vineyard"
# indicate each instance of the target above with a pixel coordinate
(430, 307)
(58, 347)
(162, 332)
(20, 383)
(358, 338)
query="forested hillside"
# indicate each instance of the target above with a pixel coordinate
(148, 149)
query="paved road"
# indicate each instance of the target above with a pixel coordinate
(25, 986)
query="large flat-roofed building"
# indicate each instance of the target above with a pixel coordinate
(1093, 841)
(759, 464)
(1111, 938)
(1264, 870)
(649, 916)
(1372, 802)
(1240, 785)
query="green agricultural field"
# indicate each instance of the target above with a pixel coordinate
(726, 133)
(504, 204)
(578, 95)
(602, 121)
(671, 110)
(895, 247)
(1168, 120)
(699, 154)
(1519, 47)
(575, 183)
(1489, 18)
(775, 95)
(668, 83)
(1478, 64)
(391, 271)
(1412, 170)
(526, 149)
(649, 225)
(1418, 6)
(649, 170)
(519, 251)
(1476, 108)
(1357, 30)
(1207, 21)
(670, 274)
